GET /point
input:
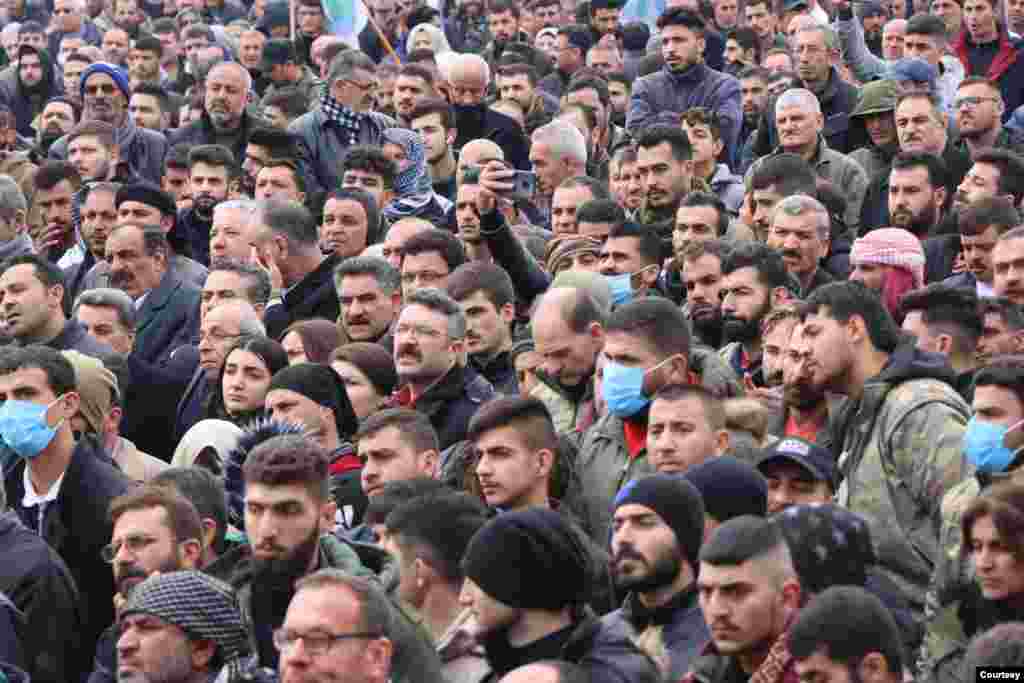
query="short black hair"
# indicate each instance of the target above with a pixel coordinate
(529, 415)
(155, 91)
(598, 189)
(651, 246)
(441, 241)
(598, 85)
(414, 426)
(281, 143)
(771, 269)
(742, 539)
(579, 37)
(991, 212)
(45, 270)
(754, 72)
(601, 211)
(926, 24)
(177, 156)
(519, 69)
(1003, 371)
(1011, 170)
(60, 374)
(435, 106)
(652, 136)
(698, 198)
(1011, 313)
(938, 172)
(397, 492)
(51, 173)
(844, 300)
(502, 6)
(481, 276)
(953, 310)
(438, 527)
(370, 159)
(149, 43)
(213, 155)
(662, 324)
(788, 173)
(680, 16)
(845, 624)
(205, 491)
(292, 102)
(747, 39)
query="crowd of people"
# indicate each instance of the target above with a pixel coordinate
(511, 342)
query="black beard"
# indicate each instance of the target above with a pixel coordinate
(709, 329)
(277, 573)
(801, 396)
(740, 330)
(663, 572)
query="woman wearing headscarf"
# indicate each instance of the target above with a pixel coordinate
(27, 90)
(427, 37)
(414, 195)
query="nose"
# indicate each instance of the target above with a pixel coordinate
(127, 642)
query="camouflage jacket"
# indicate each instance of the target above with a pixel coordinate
(899, 453)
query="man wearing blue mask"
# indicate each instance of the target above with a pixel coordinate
(59, 489)
(647, 347)
(630, 262)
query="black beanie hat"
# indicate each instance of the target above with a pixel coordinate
(531, 559)
(147, 194)
(730, 488)
(676, 501)
(322, 385)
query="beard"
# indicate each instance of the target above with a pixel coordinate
(802, 395)
(736, 329)
(920, 224)
(662, 571)
(283, 571)
(709, 327)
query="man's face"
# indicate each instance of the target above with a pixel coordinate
(570, 57)
(744, 610)
(997, 405)
(230, 236)
(409, 91)
(395, 240)
(798, 128)
(826, 352)
(694, 224)
(115, 46)
(892, 40)
(371, 182)
(920, 46)
(487, 326)
(745, 301)
(619, 94)
(919, 128)
(1015, 15)
(706, 147)
(36, 40)
(225, 96)
(146, 112)
(508, 470)
(151, 649)
(366, 310)
(387, 457)
(566, 356)
(99, 217)
(516, 88)
(665, 178)
(913, 203)
(467, 217)
(621, 255)
(679, 436)
(131, 268)
(55, 205)
(996, 339)
(250, 49)
(68, 17)
(605, 21)
(489, 614)
(280, 520)
(761, 18)
(754, 92)
(977, 252)
(1008, 270)
(681, 47)
(978, 109)
(626, 184)
(31, 69)
(798, 387)
(143, 66)
(437, 139)
(127, 14)
(702, 278)
(735, 54)
(344, 228)
(175, 183)
(222, 286)
(195, 45)
(980, 18)
(774, 344)
(26, 303)
(104, 101)
(798, 240)
(881, 128)
(68, 44)
(169, 41)
(790, 484)
(278, 182)
(550, 169)
(604, 61)
(146, 544)
(726, 14)
(645, 551)
(294, 408)
(423, 349)
(90, 157)
(764, 201)
(209, 185)
(873, 26)
(468, 87)
(564, 203)
(926, 339)
(981, 182)
(428, 269)
(58, 117)
(1000, 572)
(311, 20)
(503, 26)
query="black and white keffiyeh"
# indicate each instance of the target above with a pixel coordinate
(349, 120)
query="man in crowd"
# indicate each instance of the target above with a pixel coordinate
(225, 120)
(947, 321)
(396, 445)
(150, 107)
(685, 428)
(428, 258)
(369, 297)
(434, 120)
(558, 152)
(108, 316)
(1002, 323)
(800, 231)
(282, 65)
(487, 297)
(702, 280)
(1008, 266)
(518, 82)
(798, 472)
(468, 80)
(664, 163)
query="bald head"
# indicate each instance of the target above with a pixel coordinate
(477, 153)
(549, 671)
(400, 233)
(568, 333)
(220, 329)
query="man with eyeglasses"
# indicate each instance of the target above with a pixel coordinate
(341, 121)
(429, 341)
(978, 110)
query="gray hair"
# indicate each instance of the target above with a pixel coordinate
(347, 63)
(250, 325)
(259, 289)
(108, 297)
(467, 61)
(564, 139)
(290, 219)
(375, 615)
(798, 97)
(247, 206)
(798, 205)
(387, 276)
(439, 302)
(247, 78)
(11, 196)
(830, 36)
(11, 30)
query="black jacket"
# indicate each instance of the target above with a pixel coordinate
(169, 318)
(313, 297)
(45, 593)
(74, 338)
(484, 122)
(151, 397)
(201, 132)
(499, 371)
(451, 403)
(195, 233)
(77, 526)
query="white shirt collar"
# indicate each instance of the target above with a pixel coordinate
(32, 499)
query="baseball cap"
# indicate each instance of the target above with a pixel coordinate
(913, 69)
(277, 51)
(814, 459)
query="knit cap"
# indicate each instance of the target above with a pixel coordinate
(148, 194)
(530, 559)
(322, 385)
(676, 501)
(891, 247)
(563, 248)
(730, 488)
(830, 545)
(119, 75)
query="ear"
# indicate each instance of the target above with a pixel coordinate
(56, 292)
(821, 120)
(780, 295)
(944, 344)
(302, 198)
(192, 552)
(378, 658)
(507, 313)
(20, 221)
(722, 441)
(452, 134)
(596, 332)
(166, 223)
(1018, 341)
(113, 420)
(458, 345)
(874, 668)
(650, 276)
(717, 146)
(202, 653)
(209, 532)
(396, 298)
(792, 595)
(429, 461)
(327, 515)
(679, 367)
(940, 195)
(71, 403)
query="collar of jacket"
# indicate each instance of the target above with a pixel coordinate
(831, 87)
(776, 668)
(642, 616)
(447, 388)
(502, 359)
(690, 75)
(1003, 60)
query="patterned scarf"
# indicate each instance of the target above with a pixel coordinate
(414, 192)
(350, 121)
(773, 668)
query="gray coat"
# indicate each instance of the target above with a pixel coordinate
(324, 145)
(143, 150)
(167, 319)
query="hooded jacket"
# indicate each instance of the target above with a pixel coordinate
(877, 97)
(27, 102)
(898, 448)
(143, 150)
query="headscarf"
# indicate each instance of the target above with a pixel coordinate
(414, 192)
(438, 40)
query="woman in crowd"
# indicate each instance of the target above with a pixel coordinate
(369, 375)
(310, 341)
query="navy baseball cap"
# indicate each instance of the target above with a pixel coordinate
(814, 459)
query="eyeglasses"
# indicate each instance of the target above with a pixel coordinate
(135, 544)
(417, 332)
(314, 645)
(971, 102)
(217, 337)
(362, 86)
(100, 89)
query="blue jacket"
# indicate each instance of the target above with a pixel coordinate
(169, 318)
(697, 86)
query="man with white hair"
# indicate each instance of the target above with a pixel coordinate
(9, 41)
(800, 123)
(468, 78)
(558, 152)
(800, 231)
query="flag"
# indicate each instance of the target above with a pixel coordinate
(643, 11)
(346, 18)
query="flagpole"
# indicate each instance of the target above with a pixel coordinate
(291, 18)
(380, 33)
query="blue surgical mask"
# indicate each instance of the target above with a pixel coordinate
(623, 388)
(983, 446)
(23, 427)
(622, 286)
